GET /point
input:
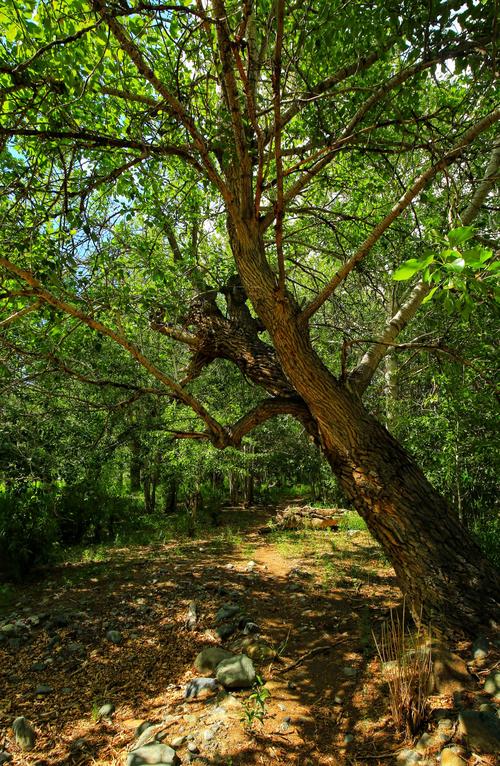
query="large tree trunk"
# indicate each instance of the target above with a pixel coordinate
(441, 570)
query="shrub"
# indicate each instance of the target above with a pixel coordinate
(486, 530)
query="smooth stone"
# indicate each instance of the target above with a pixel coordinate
(116, 638)
(424, 743)
(106, 710)
(198, 685)
(480, 648)
(492, 683)
(226, 611)
(192, 747)
(208, 659)
(481, 731)
(43, 689)
(236, 672)
(5, 757)
(349, 672)
(250, 627)
(348, 739)
(25, 733)
(38, 666)
(75, 648)
(449, 671)
(226, 630)
(178, 741)
(152, 754)
(451, 757)
(408, 757)
(142, 727)
(9, 630)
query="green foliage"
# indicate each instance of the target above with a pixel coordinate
(486, 530)
(459, 276)
(255, 706)
(352, 520)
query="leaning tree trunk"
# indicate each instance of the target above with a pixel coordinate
(440, 568)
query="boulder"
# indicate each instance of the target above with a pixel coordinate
(152, 754)
(449, 671)
(208, 659)
(480, 730)
(236, 672)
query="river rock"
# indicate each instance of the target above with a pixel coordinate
(226, 611)
(4, 757)
(236, 672)
(481, 731)
(492, 683)
(116, 638)
(43, 689)
(25, 733)
(152, 754)
(226, 630)
(106, 710)
(201, 686)
(408, 757)
(480, 648)
(450, 756)
(208, 659)
(449, 671)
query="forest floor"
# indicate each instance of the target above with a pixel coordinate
(315, 595)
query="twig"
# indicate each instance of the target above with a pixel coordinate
(316, 650)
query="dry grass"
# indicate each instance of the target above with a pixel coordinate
(406, 667)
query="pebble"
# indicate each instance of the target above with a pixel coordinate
(114, 636)
(43, 689)
(106, 710)
(349, 672)
(480, 648)
(178, 741)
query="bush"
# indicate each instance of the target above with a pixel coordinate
(28, 529)
(352, 520)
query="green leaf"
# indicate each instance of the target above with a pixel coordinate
(411, 267)
(457, 265)
(457, 237)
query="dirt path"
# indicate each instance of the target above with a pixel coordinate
(314, 595)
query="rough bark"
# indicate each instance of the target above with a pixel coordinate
(440, 568)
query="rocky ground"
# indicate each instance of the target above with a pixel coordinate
(100, 661)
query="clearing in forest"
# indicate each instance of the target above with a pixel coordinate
(315, 596)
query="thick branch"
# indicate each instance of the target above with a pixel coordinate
(216, 430)
(396, 211)
(361, 376)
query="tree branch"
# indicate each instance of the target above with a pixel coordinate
(362, 374)
(217, 432)
(396, 211)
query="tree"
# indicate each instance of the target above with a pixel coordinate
(354, 123)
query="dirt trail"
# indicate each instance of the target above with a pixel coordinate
(310, 591)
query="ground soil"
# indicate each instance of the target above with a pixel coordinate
(318, 620)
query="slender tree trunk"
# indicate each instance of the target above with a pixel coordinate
(135, 466)
(440, 568)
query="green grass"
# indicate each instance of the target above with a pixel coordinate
(352, 520)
